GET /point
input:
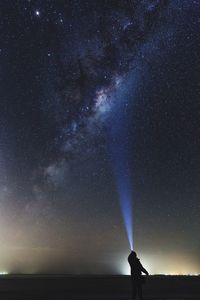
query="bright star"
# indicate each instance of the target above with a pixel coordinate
(37, 12)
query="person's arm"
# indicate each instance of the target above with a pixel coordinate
(143, 269)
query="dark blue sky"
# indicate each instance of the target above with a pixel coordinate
(88, 87)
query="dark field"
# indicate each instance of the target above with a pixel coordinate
(97, 287)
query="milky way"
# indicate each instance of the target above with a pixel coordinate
(106, 49)
(91, 90)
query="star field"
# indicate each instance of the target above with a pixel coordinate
(93, 92)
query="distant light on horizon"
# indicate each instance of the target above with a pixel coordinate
(159, 266)
(4, 273)
(125, 270)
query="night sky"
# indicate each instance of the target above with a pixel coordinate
(99, 104)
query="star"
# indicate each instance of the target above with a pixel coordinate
(37, 12)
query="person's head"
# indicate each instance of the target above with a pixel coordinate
(134, 254)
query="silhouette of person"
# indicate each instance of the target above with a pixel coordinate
(136, 275)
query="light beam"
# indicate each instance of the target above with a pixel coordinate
(119, 148)
(124, 188)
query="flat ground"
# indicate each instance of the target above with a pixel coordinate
(96, 287)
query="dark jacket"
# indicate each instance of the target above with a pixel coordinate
(136, 267)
